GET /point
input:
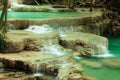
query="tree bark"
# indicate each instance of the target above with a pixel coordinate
(3, 19)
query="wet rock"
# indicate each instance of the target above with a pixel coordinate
(19, 74)
(91, 64)
(18, 24)
(23, 40)
(32, 44)
(84, 43)
(12, 46)
(70, 72)
(74, 76)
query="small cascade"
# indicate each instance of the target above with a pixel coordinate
(40, 29)
(53, 10)
(14, 3)
(45, 28)
(49, 46)
(64, 30)
(1, 66)
(11, 27)
(77, 58)
(104, 52)
(52, 48)
(37, 70)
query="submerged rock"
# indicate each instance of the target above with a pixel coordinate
(84, 77)
(91, 64)
(112, 63)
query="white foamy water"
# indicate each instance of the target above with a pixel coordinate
(40, 29)
(37, 70)
(53, 49)
(63, 64)
(48, 45)
(53, 10)
(63, 31)
(37, 74)
(105, 52)
(77, 58)
(15, 3)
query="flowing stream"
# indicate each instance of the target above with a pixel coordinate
(112, 74)
(102, 73)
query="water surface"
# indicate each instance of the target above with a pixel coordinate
(46, 15)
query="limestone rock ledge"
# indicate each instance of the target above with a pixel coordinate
(23, 40)
(65, 68)
(85, 43)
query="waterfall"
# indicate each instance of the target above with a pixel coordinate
(64, 30)
(49, 45)
(52, 48)
(47, 29)
(39, 29)
(37, 70)
(53, 10)
(104, 52)
(77, 58)
(14, 2)
(1, 66)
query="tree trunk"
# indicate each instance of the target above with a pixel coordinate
(3, 19)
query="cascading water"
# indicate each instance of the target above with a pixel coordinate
(52, 48)
(48, 46)
(53, 10)
(15, 3)
(1, 66)
(37, 70)
(104, 52)
(64, 30)
(40, 29)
